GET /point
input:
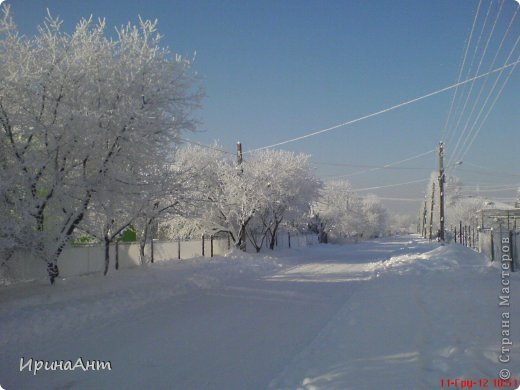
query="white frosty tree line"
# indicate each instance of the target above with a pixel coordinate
(90, 129)
(251, 201)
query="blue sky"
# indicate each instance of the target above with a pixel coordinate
(274, 70)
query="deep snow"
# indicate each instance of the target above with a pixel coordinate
(397, 313)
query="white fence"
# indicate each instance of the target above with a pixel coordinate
(82, 260)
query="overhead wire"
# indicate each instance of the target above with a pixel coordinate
(402, 199)
(389, 165)
(491, 186)
(205, 146)
(383, 110)
(389, 185)
(513, 188)
(477, 131)
(471, 85)
(468, 43)
(364, 166)
(471, 135)
(493, 171)
(477, 100)
(470, 68)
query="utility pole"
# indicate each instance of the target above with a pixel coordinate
(424, 219)
(239, 153)
(431, 209)
(418, 230)
(441, 189)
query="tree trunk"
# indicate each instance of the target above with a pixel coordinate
(107, 254)
(272, 234)
(117, 254)
(142, 245)
(241, 244)
(52, 264)
(52, 270)
(151, 250)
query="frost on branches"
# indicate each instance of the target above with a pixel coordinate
(340, 215)
(250, 201)
(80, 114)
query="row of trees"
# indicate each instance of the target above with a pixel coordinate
(251, 201)
(90, 131)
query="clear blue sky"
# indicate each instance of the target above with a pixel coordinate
(275, 70)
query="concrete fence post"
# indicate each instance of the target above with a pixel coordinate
(492, 246)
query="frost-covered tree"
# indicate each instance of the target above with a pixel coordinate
(465, 211)
(169, 196)
(402, 224)
(250, 201)
(76, 109)
(342, 215)
(375, 217)
(339, 211)
(107, 216)
(205, 187)
(289, 189)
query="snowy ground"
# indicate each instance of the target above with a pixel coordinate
(396, 314)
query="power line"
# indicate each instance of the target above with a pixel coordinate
(493, 62)
(468, 95)
(494, 173)
(513, 188)
(472, 132)
(486, 169)
(389, 165)
(384, 110)
(389, 185)
(488, 112)
(205, 146)
(364, 166)
(402, 199)
(493, 186)
(460, 70)
(477, 100)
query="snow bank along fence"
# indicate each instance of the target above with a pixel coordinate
(496, 226)
(87, 259)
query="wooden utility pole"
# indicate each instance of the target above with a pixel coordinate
(441, 190)
(431, 210)
(239, 153)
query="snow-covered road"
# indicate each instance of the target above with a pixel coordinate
(394, 313)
